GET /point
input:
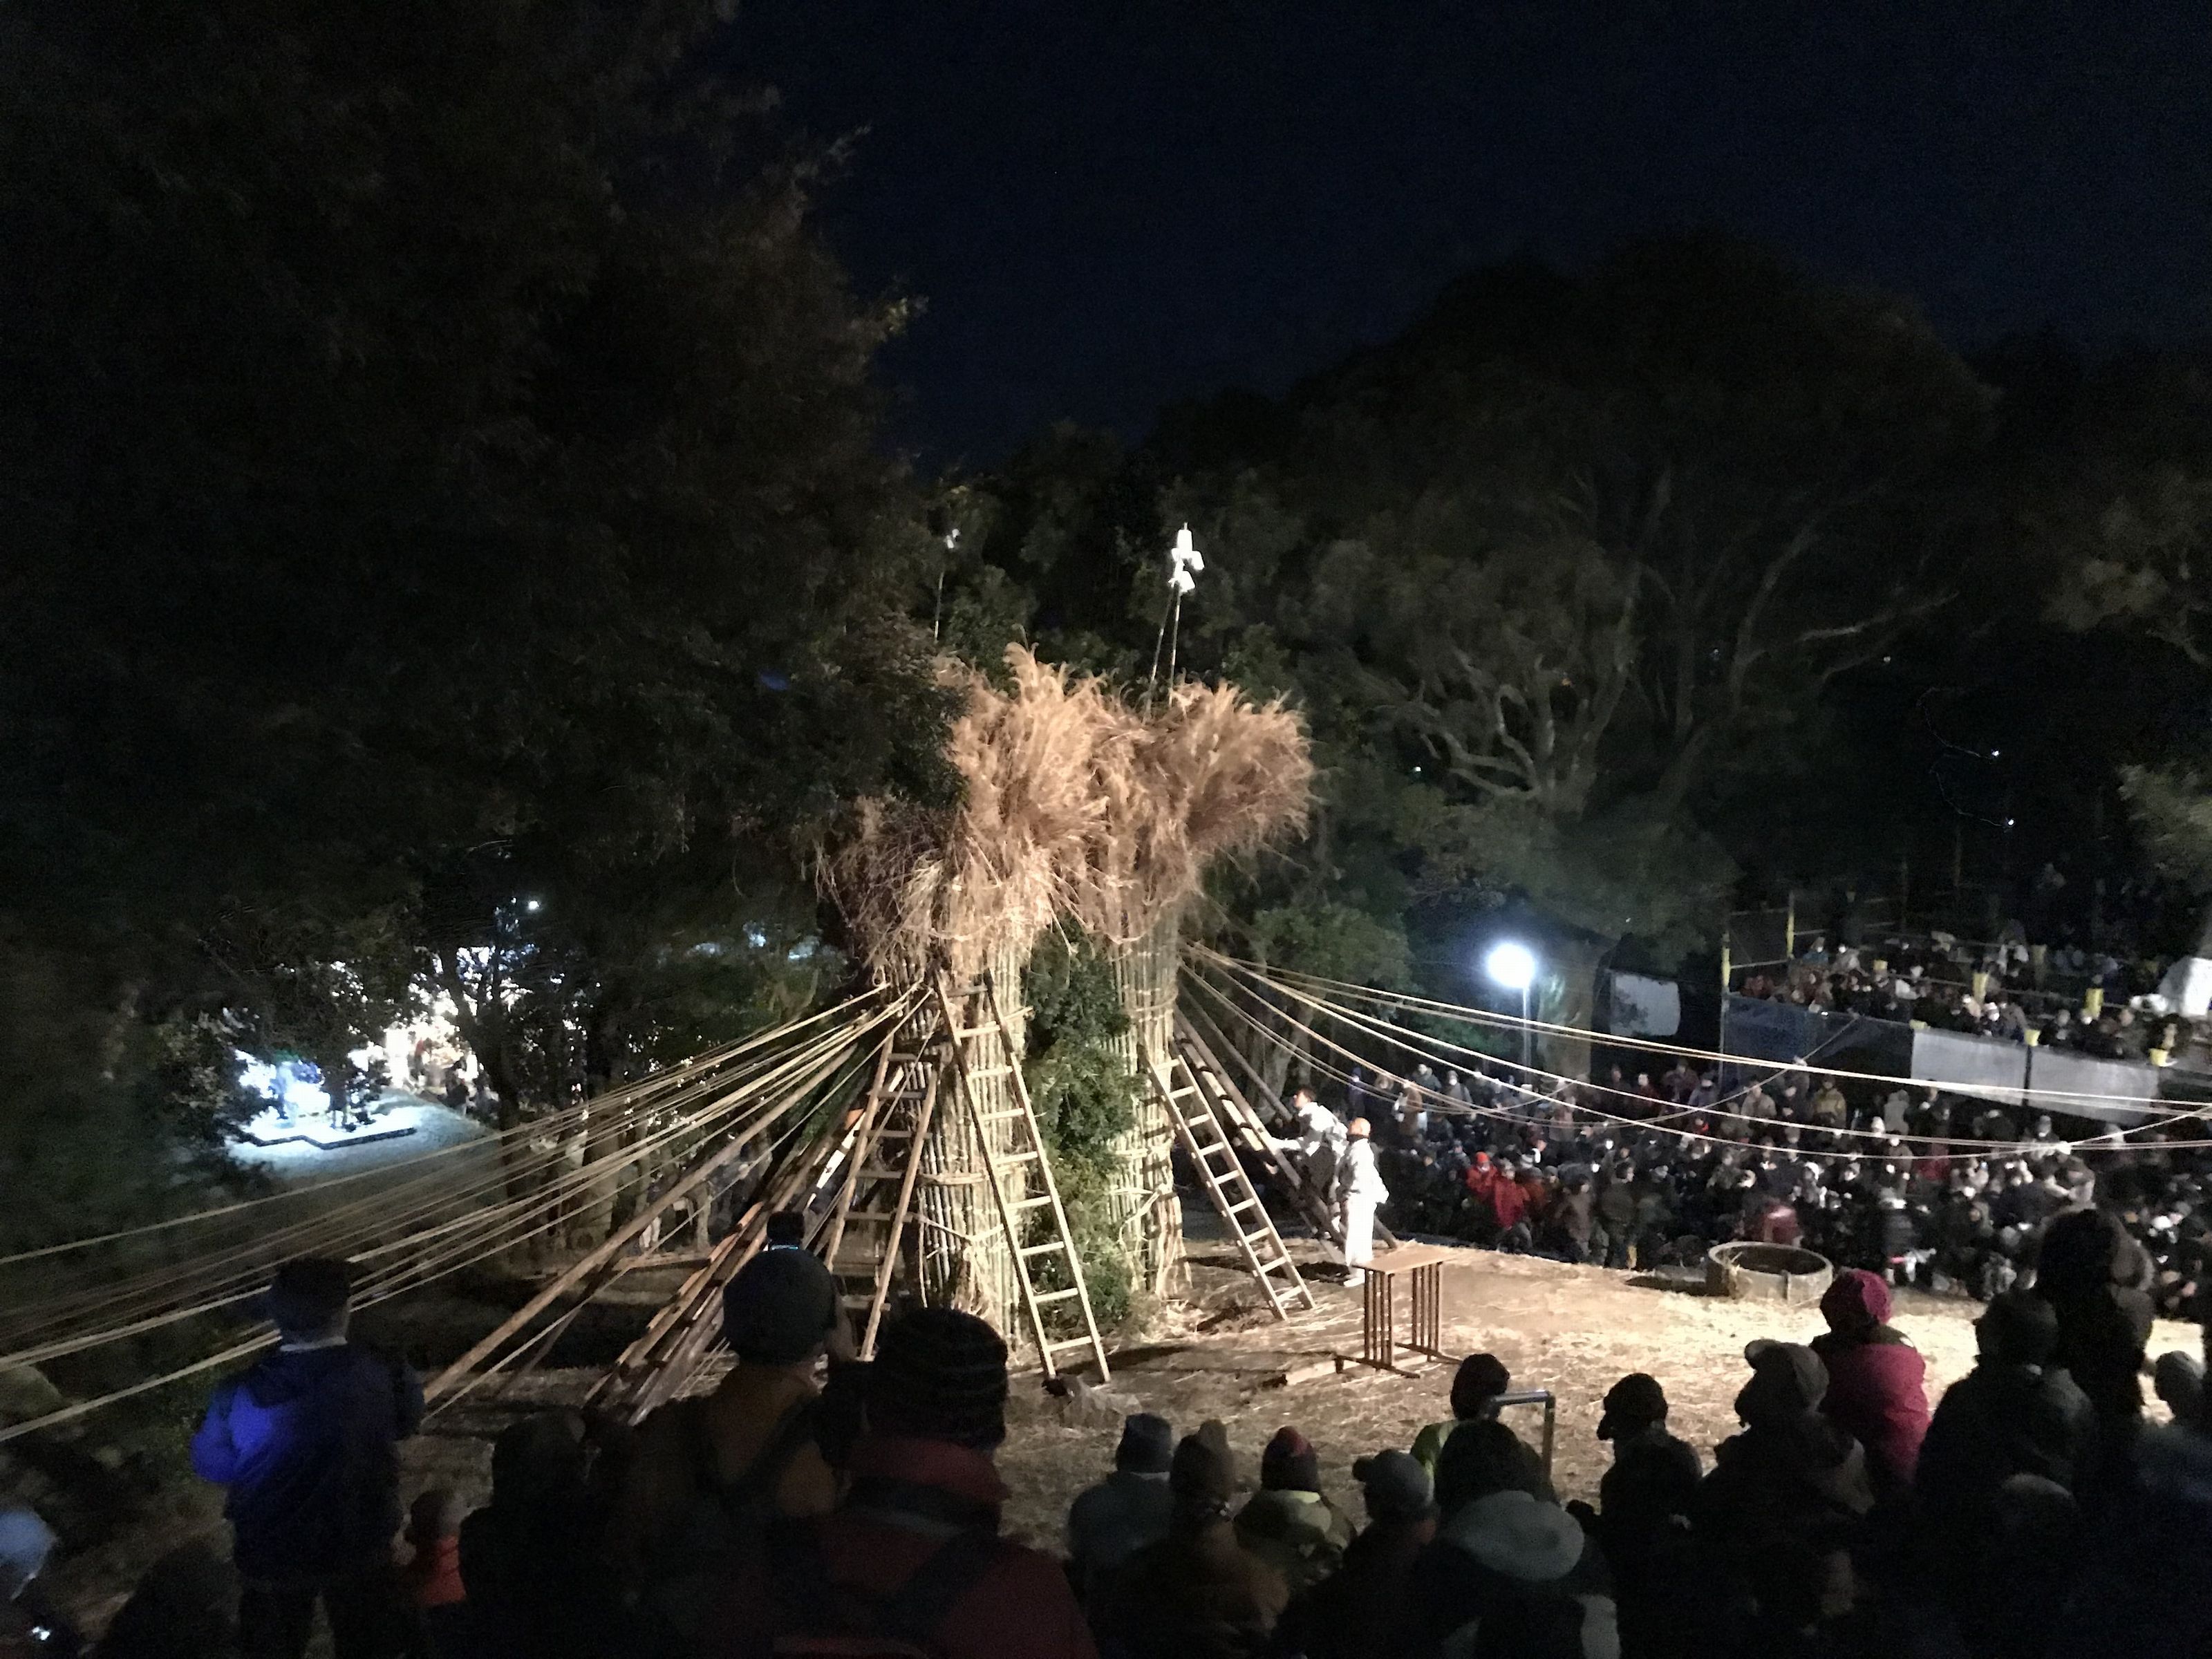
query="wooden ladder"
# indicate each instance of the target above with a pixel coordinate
(1249, 1130)
(864, 1239)
(1009, 1172)
(1197, 1110)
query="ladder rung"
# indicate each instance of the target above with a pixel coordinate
(1247, 1204)
(1056, 1296)
(1180, 1094)
(1072, 1342)
(962, 1033)
(975, 1071)
(1030, 1156)
(1004, 1117)
(1031, 1203)
(1046, 1249)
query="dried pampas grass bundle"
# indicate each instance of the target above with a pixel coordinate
(1074, 806)
(1210, 776)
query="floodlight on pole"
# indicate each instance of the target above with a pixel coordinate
(1513, 966)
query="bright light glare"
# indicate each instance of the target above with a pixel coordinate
(533, 906)
(1510, 965)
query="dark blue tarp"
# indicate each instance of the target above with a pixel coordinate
(1782, 1032)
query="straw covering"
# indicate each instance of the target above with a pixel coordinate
(1075, 807)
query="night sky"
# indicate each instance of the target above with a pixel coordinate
(1110, 206)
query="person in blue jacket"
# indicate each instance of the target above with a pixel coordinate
(306, 1441)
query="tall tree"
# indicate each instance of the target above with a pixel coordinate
(441, 470)
(1555, 573)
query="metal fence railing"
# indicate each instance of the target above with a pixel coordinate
(1537, 1397)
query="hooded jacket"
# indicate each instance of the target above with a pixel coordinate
(1301, 1535)
(1999, 1421)
(1877, 1392)
(1519, 1576)
(306, 1441)
(1509, 1203)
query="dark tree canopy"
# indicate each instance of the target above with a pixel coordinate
(440, 465)
(1558, 575)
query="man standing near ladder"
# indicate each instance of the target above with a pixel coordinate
(1359, 1193)
(1318, 1145)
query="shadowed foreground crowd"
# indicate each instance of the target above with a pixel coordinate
(857, 1512)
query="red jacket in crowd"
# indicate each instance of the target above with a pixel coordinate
(1019, 1606)
(1507, 1203)
(1877, 1390)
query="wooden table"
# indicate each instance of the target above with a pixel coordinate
(1421, 1266)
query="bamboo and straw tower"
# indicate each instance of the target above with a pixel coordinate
(1075, 808)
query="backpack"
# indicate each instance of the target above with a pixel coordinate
(726, 1522)
(819, 1618)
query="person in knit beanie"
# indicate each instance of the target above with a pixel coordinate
(940, 1374)
(758, 1427)
(1196, 1594)
(1288, 1523)
(911, 1558)
(1477, 1385)
(1110, 1522)
(1643, 1503)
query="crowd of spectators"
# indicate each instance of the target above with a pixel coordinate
(2029, 1513)
(2003, 991)
(1950, 1194)
(2032, 1512)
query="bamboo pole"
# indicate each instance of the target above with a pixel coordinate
(1141, 1200)
(631, 1230)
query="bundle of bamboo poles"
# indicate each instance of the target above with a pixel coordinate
(198, 1278)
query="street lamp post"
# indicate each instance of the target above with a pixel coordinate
(1514, 967)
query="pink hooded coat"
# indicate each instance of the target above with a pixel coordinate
(1876, 1379)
